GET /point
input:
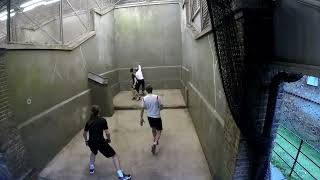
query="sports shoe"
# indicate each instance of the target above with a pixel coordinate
(91, 170)
(153, 149)
(125, 177)
(157, 142)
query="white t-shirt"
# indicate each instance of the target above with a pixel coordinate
(139, 74)
(152, 104)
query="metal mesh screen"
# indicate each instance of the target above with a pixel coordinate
(230, 45)
(243, 40)
(32, 24)
(3, 23)
(46, 22)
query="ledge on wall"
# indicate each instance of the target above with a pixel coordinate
(102, 12)
(196, 34)
(67, 47)
(146, 3)
(77, 42)
(286, 65)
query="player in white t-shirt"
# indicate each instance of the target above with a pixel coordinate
(140, 79)
(152, 104)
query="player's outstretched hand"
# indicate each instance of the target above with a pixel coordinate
(141, 121)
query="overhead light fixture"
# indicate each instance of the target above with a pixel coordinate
(3, 18)
(35, 3)
(50, 2)
(29, 3)
(28, 8)
(4, 15)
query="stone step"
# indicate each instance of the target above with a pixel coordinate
(138, 107)
(171, 99)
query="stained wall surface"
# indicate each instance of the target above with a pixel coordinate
(207, 104)
(296, 24)
(153, 35)
(49, 90)
(149, 35)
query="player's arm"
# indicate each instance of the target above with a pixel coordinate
(108, 135)
(135, 81)
(106, 131)
(141, 113)
(160, 103)
(85, 136)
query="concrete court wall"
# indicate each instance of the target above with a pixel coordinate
(49, 90)
(72, 29)
(149, 35)
(207, 104)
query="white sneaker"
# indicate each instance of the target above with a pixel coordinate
(125, 177)
(91, 169)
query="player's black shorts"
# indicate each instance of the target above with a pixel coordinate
(155, 123)
(138, 84)
(103, 147)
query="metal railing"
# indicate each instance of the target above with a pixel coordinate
(297, 155)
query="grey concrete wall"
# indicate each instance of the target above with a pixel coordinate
(12, 151)
(150, 36)
(56, 83)
(72, 29)
(105, 30)
(216, 129)
(297, 28)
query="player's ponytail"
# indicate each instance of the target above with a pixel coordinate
(94, 114)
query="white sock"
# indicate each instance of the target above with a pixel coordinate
(120, 173)
(155, 143)
(91, 166)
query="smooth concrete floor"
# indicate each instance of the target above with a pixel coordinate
(179, 157)
(170, 98)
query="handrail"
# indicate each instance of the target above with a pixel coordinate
(286, 163)
(311, 160)
(297, 155)
(287, 141)
(299, 137)
(97, 78)
(284, 150)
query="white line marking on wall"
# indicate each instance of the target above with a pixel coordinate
(38, 116)
(211, 109)
(151, 67)
(214, 71)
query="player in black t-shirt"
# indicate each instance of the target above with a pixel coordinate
(95, 126)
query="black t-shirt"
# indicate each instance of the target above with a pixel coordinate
(95, 128)
(133, 78)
